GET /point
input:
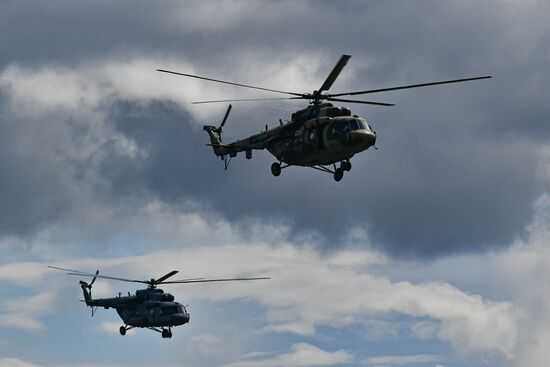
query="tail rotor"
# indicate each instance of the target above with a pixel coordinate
(223, 121)
(218, 130)
(87, 288)
(215, 134)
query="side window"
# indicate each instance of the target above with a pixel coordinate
(337, 129)
(346, 126)
(312, 136)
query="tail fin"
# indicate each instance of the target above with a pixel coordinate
(215, 140)
(215, 134)
(86, 289)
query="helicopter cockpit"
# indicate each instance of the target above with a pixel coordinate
(341, 127)
(172, 309)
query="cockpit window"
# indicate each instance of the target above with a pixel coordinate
(363, 124)
(341, 127)
(168, 310)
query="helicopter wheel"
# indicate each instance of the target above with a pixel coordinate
(122, 330)
(169, 333)
(338, 174)
(276, 169)
(346, 166)
(165, 333)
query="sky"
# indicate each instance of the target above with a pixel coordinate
(431, 252)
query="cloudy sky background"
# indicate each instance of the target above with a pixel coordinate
(431, 252)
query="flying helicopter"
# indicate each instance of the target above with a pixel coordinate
(319, 136)
(149, 308)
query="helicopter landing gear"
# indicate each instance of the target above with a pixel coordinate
(124, 328)
(345, 165)
(166, 333)
(276, 169)
(338, 174)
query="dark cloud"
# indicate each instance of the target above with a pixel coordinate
(457, 166)
(31, 188)
(420, 194)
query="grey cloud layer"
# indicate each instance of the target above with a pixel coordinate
(457, 168)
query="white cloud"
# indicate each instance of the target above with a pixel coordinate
(112, 328)
(519, 274)
(524, 268)
(22, 273)
(335, 290)
(402, 360)
(14, 362)
(471, 323)
(87, 88)
(425, 329)
(206, 343)
(25, 313)
(301, 355)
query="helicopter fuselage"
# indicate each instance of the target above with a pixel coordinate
(324, 141)
(149, 307)
(318, 135)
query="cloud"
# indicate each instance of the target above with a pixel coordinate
(301, 355)
(102, 157)
(22, 273)
(25, 313)
(402, 360)
(525, 269)
(117, 129)
(112, 328)
(14, 362)
(206, 343)
(470, 323)
(115, 143)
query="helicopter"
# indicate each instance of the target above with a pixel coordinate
(319, 136)
(149, 308)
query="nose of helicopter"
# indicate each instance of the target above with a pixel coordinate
(363, 138)
(180, 318)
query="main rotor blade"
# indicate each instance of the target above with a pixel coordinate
(212, 280)
(70, 270)
(225, 82)
(334, 73)
(85, 274)
(112, 278)
(363, 102)
(246, 100)
(170, 274)
(408, 86)
(225, 117)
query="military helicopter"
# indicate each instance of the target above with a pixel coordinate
(318, 136)
(149, 308)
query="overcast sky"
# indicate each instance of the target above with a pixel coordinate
(430, 252)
